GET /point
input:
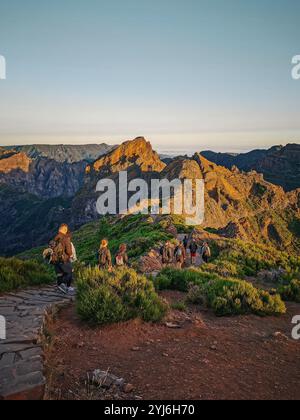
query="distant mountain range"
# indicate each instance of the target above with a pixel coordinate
(37, 185)
(279, 165)
(63, 153)
(43, 187)
(47, 171)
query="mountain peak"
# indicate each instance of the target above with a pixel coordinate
(137, 152)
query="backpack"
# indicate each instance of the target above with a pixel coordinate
(103, 253)
(119, 260)
(58, 255)
(47, 255)
(206, 252)
(178, 252)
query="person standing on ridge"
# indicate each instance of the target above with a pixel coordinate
(193, 249)
(167, 253)
(122, 257)
(205, 253)
(63, 252)
(180, 255)
(104, 256)
(185, 242)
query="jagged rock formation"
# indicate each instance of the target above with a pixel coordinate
(136, 157)
(280, 165)
(137, 153)
(237, 205)
(14, 162)
(42, 177)
(245, 206)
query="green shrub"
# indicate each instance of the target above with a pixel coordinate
(236, 258)
(225, 296)
(223, 268)
(234, 297)
(179, 306)
(172, 279)
(104, 298)
(195, 295)
(290, 292)
(16, 274)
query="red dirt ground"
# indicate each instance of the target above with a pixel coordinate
(207, 358)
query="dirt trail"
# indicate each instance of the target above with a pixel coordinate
(207, 358)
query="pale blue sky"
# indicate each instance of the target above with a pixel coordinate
(188, 74)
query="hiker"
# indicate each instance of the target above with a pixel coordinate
(180, 255)
(167, 253)
(104, 256)
(205, 252)
(185, 242)
(63, 253)
(193, 249)
(122, 257)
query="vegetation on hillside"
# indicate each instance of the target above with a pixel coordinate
(290, 292)
(17, 274)
(241, 260)
(225, 296)
(104, 298)
(232, 262)
(137, 231)
(236, 258)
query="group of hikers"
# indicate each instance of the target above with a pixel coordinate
(178, 254)
(62, 255)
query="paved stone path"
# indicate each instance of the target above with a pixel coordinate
(21, 354)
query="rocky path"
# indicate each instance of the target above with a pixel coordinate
(21, 353)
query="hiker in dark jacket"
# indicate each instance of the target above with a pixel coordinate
(61, 258)
(186, 242)
(180, 255)
(205, 253)
(104, 256)
(167, 254)
(122, 257)
(193, 249)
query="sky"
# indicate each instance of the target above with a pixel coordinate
(185, 74)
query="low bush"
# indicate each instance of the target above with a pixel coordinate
(234, 297)
(225, 296)
(172, 279)
(236, 258)
(290, 292)
(179, 306)
(104, 298)
(195, 295)
(16, 274)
